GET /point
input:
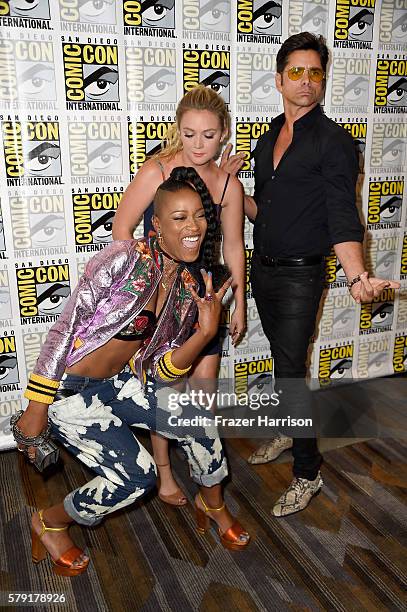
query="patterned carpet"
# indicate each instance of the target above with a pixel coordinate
(343, 553)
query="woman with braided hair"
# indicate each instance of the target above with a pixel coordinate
(202, 126)
(136, 302)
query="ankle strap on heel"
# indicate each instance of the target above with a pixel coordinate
(44, 528)
(207, 508)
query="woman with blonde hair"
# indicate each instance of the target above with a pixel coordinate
(202, 126)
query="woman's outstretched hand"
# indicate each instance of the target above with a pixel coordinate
(210, 306)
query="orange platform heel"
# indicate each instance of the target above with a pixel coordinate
(63, 565)
(174, 499)
(231, 538)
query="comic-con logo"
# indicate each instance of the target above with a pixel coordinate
(373, 357)
(403, 261)
(377, 316)
(253, 376)
(91, 76)
(393, 25)
(308, 16)
(350, 84)
(151, 77)
(2, 236)
(145, 139)
(385, 203)
(88, 11)
(33, 340)
(32, 152)
(38, 222)
(354, 24)
(207, 67)
(248, 255)
(382, 254)
(24, 13)
(338, 316)
(93, 219)
(254, 341)
(255, 83)
(6, 312)
(358, 131)
(28, 73)
(247, 135)
(388, 150)
(402, 307)
(334, 273)
(391, 86)
(95, 151)
(9, 376)
(206, 16)
(42, 291)
(335, 363)
(400, 354)
(149, 18)
(259, 21)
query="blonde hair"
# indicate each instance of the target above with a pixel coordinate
(199, 98)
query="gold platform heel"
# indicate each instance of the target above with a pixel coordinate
(231, 538)
(63, 565)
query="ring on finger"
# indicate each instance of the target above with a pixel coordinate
(208, 297)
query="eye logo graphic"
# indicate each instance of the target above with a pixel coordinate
(393, 25)
(400, 354)
(32, 149)
(93, 219)
(9, 376)
(88, 11)
(388, 148)
(210, 68)
(255, 83)
(91, 76)
(308, 16)
(350, 84)
(145, 139)
(378, 315)
(42, 292)
(373, 357)
(335, 364)
(338, 316)
(253, 376)
(334, 274)
(149, 18)
(259, 21)
(206, 15)
(28, 9)
(385, 204)
(5, 298)
(151, 76)
(391, 86)
(358, 131)
(95, 150)
(247, 135)
(354, 24)
(38, 222)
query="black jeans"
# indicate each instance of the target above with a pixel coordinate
(287, 300)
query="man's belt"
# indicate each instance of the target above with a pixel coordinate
(311, 260)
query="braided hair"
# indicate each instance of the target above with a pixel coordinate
(188, 178)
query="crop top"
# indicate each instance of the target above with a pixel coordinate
(140, 328)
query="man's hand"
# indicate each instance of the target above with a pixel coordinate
(231, 165)
(369, 288)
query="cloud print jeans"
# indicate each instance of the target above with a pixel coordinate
(95, 425)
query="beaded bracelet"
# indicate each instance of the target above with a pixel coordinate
(355, 280)
(20, 438)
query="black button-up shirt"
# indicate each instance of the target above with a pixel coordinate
(307, 204)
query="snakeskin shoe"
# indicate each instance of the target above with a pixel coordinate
(270, 450)
(297, 496)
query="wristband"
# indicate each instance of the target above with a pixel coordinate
(167, 369)
(355, 280)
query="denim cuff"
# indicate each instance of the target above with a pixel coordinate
(210, 480)
(70, 509)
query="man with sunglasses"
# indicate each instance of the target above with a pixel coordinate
(306, 167)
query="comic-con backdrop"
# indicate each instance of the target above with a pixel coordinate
(88, 89)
